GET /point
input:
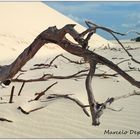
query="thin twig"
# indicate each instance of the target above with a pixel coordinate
(138, 33)
(11, 96)
(4, 119)
(21, 88)
(112, 109)
(77, 75)
(27, 112)
(122, 61)
(72, 61)
(109, 101)
(56, 96)
(46, 77)
(79, 103)
(19, 75)
(43, 92)
(89, 23)
(42, 65)
(126, 95)
(112, 33)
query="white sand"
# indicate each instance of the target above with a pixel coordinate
(60, 118)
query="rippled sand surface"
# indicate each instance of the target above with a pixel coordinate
(62, 118)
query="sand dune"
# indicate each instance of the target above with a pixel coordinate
(27, 19)
(60, 118)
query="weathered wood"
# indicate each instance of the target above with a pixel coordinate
(21, 88)
(53, 35)
(43, 92)
(28, 112)
(46, 77)
(50, 64)
(57, 36)
(91, 98)
(66, 96)
(4, 119)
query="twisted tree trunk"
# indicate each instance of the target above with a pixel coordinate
(91, 99)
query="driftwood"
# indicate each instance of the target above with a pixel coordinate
(109, 101)
(11, 96)
(126, 95)
(46, 77)
(54, 97)
(28, 112)
(75, 76)
(100, 106)
(43, 92)
(50, 64)
(57, 36)
(21, 89)
(67, 96)
(4, 119)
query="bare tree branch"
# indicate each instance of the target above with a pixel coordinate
(53, 97)
(91, 99)
(27, 112)
(122, 61)
(21, 89)
(42, 65)
(4, 119)
(12, 94)
(112, 33)
(93, 25)
(109, 101)
(46, 77)
(126, 95)
(43, 92)
(77, 75)
(133, 31)
(66, 96)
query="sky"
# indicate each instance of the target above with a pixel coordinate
(119, 16)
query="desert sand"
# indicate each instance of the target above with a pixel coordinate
(60, 118)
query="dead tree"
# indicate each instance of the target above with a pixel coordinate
(57, 36)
